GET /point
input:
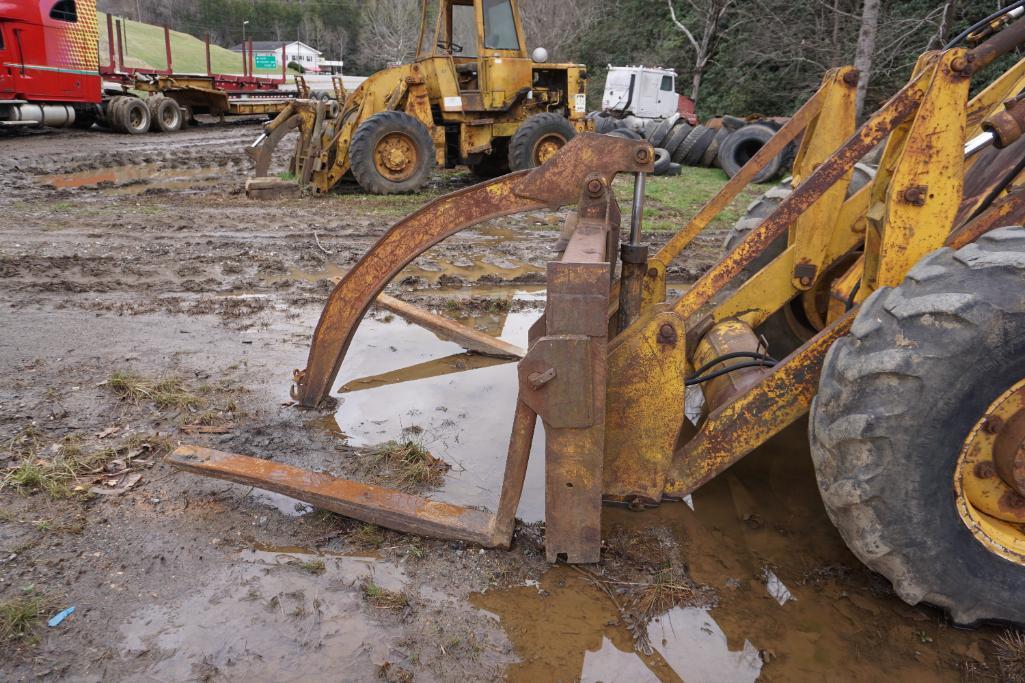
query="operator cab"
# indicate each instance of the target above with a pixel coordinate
(479, 38)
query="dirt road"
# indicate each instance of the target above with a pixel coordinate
(145, 302)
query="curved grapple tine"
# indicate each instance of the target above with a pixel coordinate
(557, 183)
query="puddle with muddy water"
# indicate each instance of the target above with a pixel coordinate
(134, 179)
(400, 381)
(270, 611)
(792, 603)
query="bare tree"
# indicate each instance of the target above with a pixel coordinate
(866, 49)
(389, 31)
(557, 25)
(708, 22)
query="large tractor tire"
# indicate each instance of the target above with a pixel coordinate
(538, 139)
(905, 400)
(391, 153)
(788, 328)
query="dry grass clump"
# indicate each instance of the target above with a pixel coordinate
(204, 406)
(406, 465)
(382, 598)
(20, 615)
(1010, 650)
(57, 470)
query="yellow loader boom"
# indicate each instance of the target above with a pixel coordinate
(472, 96)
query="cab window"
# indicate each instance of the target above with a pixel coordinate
(464, 30)
(667, 83)
(499, 26)
(64, 10)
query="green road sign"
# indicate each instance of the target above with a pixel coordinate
(266, 61)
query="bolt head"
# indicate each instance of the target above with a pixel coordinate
(985, 469)
(992, 424)
(642, 155)
(594, 187)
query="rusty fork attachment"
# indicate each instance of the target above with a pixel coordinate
(561, 376)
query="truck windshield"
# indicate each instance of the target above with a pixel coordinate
(499, 26)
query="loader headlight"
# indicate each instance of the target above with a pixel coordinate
(539, 55)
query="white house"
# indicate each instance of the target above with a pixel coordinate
(295, 51)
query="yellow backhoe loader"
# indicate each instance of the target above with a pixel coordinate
(913, 373)
(472, 96)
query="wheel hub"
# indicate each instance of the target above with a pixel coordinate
(396, 156)
(990, 478)
(547, 147)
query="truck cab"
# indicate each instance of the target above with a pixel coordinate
(48, 51)
(642, 91)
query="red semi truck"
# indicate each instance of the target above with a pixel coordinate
(50, 75)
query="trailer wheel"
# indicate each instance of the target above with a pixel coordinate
(919, 409)
(167, 115)
(538, 139)
(391, 152)
(133, 116)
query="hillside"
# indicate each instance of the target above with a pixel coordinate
(145, 49)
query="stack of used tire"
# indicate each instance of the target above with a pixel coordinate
(727, 142)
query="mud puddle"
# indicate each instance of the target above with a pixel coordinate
(134, 179)
(402, 382)
(269, 609)
(792, 602)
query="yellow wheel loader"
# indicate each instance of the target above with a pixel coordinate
(913, 370)
(472, 96)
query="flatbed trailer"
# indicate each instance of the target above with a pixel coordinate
(51, 75)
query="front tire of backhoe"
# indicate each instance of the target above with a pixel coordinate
(899, 400)
(391, 153)
(538, 139)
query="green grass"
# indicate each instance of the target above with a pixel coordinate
(671, 201)
(19, 616)
(145, 49)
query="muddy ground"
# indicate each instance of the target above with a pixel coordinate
(145, 302)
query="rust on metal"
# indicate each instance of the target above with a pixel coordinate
(365, 502)
(985, 54)
(467, 337)
(644, 416)
(554, 184)
(750, 419)
(783, 137)
(893, 113)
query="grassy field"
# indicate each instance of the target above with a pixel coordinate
(671, 201)
(145, 49)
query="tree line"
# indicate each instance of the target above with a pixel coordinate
(732, 56)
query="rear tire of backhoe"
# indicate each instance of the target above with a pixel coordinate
(897, 399)
(538, 139)
(391, 153)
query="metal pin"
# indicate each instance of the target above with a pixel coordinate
(637, 214)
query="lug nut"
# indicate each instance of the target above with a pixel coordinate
(992, 424)
(985, 469)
